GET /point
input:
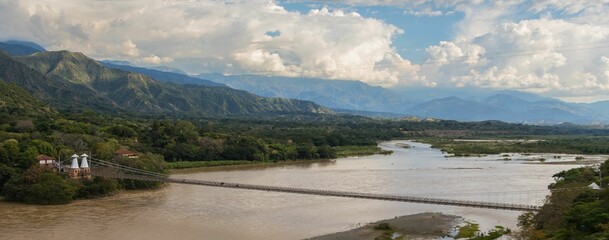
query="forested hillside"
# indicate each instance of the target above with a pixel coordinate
(72, 81)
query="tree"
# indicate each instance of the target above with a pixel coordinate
(122, 131)
(105, 150)
(307, 152)
(326, 152)
(43, 147)
(27, 157)
(50, 188)
(6, 173)
(98, 187)
(12, 150)
(39, 185)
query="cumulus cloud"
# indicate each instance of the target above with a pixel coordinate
(558, 57)
(214, 36)
(549, 46)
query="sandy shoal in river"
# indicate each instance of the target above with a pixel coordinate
(417, 226)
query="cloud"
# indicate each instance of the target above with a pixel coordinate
(155, 60)
(542, 55)
(550, 46)
(214, 36)
(428, 13)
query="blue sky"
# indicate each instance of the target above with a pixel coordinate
(419, 31)
(557, 48)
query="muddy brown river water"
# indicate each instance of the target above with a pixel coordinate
(197, 212)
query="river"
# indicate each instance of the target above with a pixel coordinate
(198, 212)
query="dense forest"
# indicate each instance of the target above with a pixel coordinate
(29, 128)
(24, 135)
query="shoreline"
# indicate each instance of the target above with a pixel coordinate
(428, 225)
(247, 165)
(238, 164)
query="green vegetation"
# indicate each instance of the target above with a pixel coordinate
(39, 185)
(572, 211)
(182, 143)
(199, 164)
(542, 144)
(346, 151)
(468, 230)
(103, 110)
(174, 143)
(388, 232)
(72, 82)
(472, 231)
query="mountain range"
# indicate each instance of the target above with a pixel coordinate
(20, 48)
(163, 74)
(338, 94)
(463, 104)
(73, 81)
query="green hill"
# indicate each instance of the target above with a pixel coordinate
(61, 94)
(73, 81)
(18, 48)
(15, 101)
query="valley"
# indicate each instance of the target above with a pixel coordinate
(499, 146)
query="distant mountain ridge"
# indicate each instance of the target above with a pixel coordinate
(162, 75)
(74, 81)
(506, 108)
(20, 48)
(338, 94)
(444, 103)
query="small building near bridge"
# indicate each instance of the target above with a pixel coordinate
(47, 161)
(126, 153)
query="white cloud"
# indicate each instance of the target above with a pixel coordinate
(450, 52)
(428, 12)
(214, 36)
(559, 57)
(154, 60)
(605, 60)
(499, 44)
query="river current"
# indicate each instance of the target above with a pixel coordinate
(198, 212)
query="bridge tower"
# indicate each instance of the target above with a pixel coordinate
(74, 170)
(85, 171)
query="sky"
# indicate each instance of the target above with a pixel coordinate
(556, 48)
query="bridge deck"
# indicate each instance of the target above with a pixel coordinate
(375, 196)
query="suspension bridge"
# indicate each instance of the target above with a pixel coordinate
(101, 168)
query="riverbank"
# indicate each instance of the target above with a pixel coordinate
(341, 152)
(241, 165)
(418, 226)
(354, 151)
(582, 145)
(180, 211)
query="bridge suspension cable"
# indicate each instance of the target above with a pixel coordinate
(127, 168)
(126, 172)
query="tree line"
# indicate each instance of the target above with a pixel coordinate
(159, 139)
